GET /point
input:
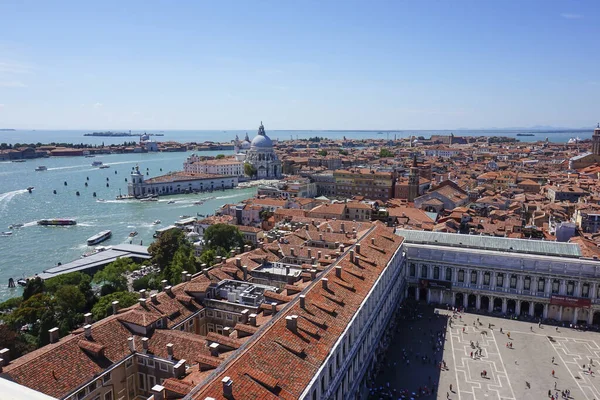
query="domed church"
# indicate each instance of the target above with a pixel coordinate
(262, 156)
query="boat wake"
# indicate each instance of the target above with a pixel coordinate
(68, 167)
(5, 198)
(32, 223)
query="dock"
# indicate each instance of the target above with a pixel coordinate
(94, 262)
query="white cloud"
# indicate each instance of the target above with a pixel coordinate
(98, 105)
(12, 84)
(571, 16)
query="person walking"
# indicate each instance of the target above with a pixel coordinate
(552, 360)
(553, 373)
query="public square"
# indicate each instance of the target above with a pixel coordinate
(518, 372)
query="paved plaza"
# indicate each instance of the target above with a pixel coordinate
(523, 371)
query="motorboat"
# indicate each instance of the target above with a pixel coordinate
(184, 216)
(57, 222)
(198, 203)
(97, 163)
(100, 201)
(18, 160)
(171, 202)
(22, 282)
(156, 222)
(149, 199)
(132, 234)
(90, 156)
(103, 166)
(7, 233)
(30, 188)
(41, 168)
(96, 250)
(14, 226)
(99, 237)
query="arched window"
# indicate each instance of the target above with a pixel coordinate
(436, 272)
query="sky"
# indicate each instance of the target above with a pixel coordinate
(332, 64)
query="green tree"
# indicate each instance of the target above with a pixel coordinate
(220, 156)
(163, 250)
(223, 235)
(249, 170)
(11, 303)
(114, 273)
(103, 307)
(82, 281)
(150, 281)
(343, 152)
(33, 287)
(183, 260)
(322, 152)
(265, 214)
(208, 257)
(32, 309)
(13, 341)
(383, 153)
(69, 300)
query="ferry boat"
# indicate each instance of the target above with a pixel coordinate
(99, 237)
(41, 168)
(57, 222)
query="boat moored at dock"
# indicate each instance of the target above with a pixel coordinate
(99, 237)
(57, 222)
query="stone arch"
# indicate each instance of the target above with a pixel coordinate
(497, 304)
(511, 306)
(525, 308)
(485, 303)
(538, 310)
(472, 301)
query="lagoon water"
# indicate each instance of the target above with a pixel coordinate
(33, 248)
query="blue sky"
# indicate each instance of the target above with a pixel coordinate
(299, 64)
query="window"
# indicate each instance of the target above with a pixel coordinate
(570, 288)
(229, 316)
(412, 270)
(151, 381)
(541, 284)
(108, 396)
(163, 366)
(142, 381)
(436, 272)
(141, 361)
(486, 278)
(527, 283)
(473, 277)
(209, 313)
(81, 394)
(499, 280)
(423, 271)
(555, 286)
(513, 281)
(448, 274)
(461, 275)
(191, 322)
(150, 363)
(322, 384)
(92, 386)
(585, 290)
(211, 327)
(128, 363)
(218, 314)
(220, 329)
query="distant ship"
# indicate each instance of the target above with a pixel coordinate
(99, 237)
(57, 222)
(525, 134)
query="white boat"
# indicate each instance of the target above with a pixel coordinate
(41, 168)
(99, 237)
(100, 201)
(156, 222)
(22, 282)
(7, 233)
(96, 163)
(14, 226)
(149, 199)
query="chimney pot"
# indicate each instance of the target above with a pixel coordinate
(145, 344)
(309, 253)
(153, 298)
(337, 245)
(338, 271)
(291, 323)
(351, 256)
(170, 350)
(245, 269)
(357, 260)
(252, 319)
(227, 387)
(188, 277)
(159, 392)
(342, 248)
(320, 237)
(357, 247)
(184, 276)
(115, 307)
(88, 331)
(319, 255)
(373, 241)
(164, 283)
(302, 301)
(245, 316)
(168, 289)
(313, 274)
(273, 308)
(142, 302)
(131, 344)
(142, 293)
(324, 282)
(53, 334)
(292, 252)
(5, 357)
(87, 318)
(226, 331)
(214, 349)
(238, 262)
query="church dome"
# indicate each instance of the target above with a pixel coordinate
(262, 140)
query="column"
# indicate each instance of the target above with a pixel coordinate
(560, 309)
(454, 275)
(493, 280)
(504, 306)
(590, 316)
(548, 284)
(507, 281)
(593, 290)
(417, 292)
(491, 304)
(575, 315)
(453, 301)
(428, 295)
(533, 287)
(480, 279)
(441, 296)
(478, 302)
(531, 310)
(520, 283)
(577, 288)
(545, 314)
(563, 287)
(465, 300)
(518, 307)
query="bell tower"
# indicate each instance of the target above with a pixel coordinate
(413, 181)
(596, 141)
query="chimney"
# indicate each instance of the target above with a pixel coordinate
(164, 283)
(338, 271)
(324, 281)
(214, 349)
(131, 344)
(238, 250)
(352, 256)
(145, 345)
(373, 241)
(188, 277)
(232, 253)
(309, 253)
(115, 306)
(357, 247)
(238, 262)
(357, 260)
(168, 289)
(53, 335)
(226, 331)
(87, 318)
(302, 301)
(343, 228)
(170, 351)
(313, 274)
(205, 271)
(88, 331)
(245, 316)
(245, 269)
(142, 293)
(179, 369)
(142, 302)
(183, 276)
(313, 261)
(227, 387)
(319, 255)
(342, 248)
(219, 259)
(273, 308)
(320, 237)
(291, 323)
(153, 298)
(292, 252)
(5, 357)
(336, 245)
(158, 392)
(252, 319)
